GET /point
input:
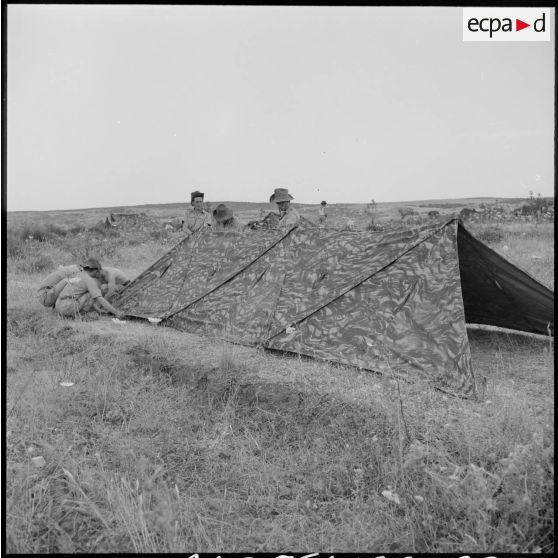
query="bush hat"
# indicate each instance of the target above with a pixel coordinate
(280, 195)
(91, 263)
(195, 195)
(324, 203)
(222, 213)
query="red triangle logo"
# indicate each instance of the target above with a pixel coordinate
(519, 25)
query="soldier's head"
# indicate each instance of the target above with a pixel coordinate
(223, 214)
(282, 198)
(93, 268)
(196, 200)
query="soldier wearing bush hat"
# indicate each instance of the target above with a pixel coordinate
(91, 264)
(196, 218)
(224, 220)
(288, 216)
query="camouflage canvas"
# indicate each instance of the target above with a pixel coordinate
(379, 301)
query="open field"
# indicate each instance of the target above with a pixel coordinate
(170, 442)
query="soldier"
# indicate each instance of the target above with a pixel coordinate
(224, 220)
(288, 216)
(82, 293)
(114, 282)
(52, 286)
(322, 214)
(196, 218)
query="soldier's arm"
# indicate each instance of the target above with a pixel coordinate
(98, 300)
(101, 303)
(111, 283)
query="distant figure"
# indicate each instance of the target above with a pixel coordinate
(114, 280)
(52, 285)
(196, 218)
(224, 220)
(322, 214)
(83, 294)
(288, 216)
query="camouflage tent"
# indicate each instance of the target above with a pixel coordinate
(378, 301)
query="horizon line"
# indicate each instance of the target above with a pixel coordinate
(437, 200)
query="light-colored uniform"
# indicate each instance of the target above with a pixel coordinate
(52, 285)
(289, 218)
(78, 295)
(195, 220)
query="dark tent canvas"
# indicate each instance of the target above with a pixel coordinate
(395, 301)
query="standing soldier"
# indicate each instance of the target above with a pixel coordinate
(322, 214)
(196, 218)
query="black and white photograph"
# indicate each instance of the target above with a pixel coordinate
(278, 279)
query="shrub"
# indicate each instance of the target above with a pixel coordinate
(406, 212)
(535, 206)
(53, 230)
(76, 229)
(15, 245)
(101, 230)
(41, 232)
(491, 235)
(36, 264)
(33, 232)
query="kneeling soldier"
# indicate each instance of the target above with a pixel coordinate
(83, 294)
(52, 286)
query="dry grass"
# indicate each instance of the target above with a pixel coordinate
(169, 442)
(530, 246)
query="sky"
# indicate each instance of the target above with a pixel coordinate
(122, 105)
